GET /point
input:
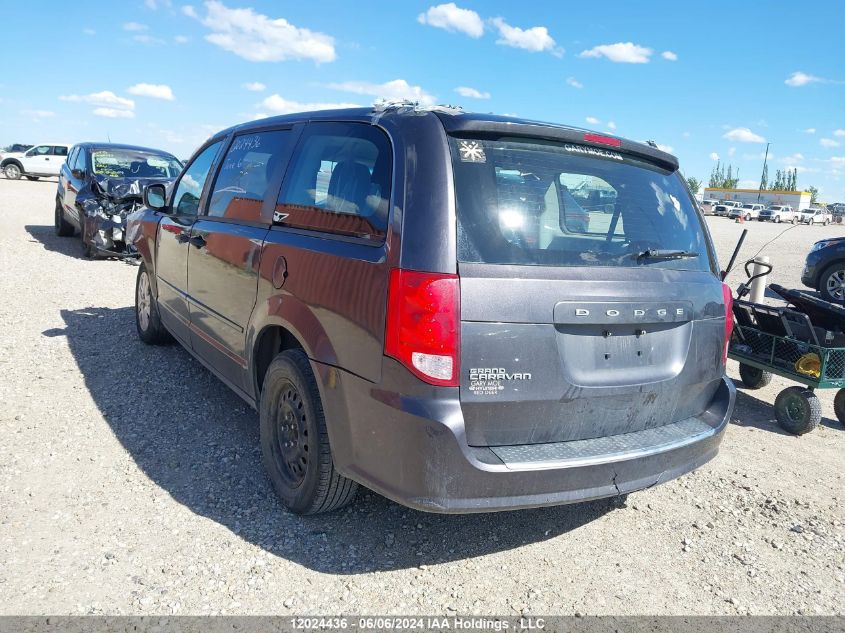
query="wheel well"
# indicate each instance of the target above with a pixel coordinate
(272, 341)
(11, 161)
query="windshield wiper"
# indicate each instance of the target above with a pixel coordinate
(656, 253)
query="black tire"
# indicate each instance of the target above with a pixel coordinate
(748, 217)
(777, 219)
(798, 410)
(795, 219)
(832, 283)
(753, 377)
(88, 250)
(294, 440)
(32, 177)
(839, 405)
(62, 227)
(147, 318)
(13, 171)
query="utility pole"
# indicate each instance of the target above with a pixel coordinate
(763, 175)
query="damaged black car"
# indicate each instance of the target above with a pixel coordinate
(100, 184)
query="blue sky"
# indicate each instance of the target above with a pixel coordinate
(704, 79)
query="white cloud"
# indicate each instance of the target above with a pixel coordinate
(38, 115)
(144, 38)
(797, 157)
(621, 52)
(181, 39)
(714, 156)
(574, 82)
(798, 79)
(839, 132)
(254, 86)
(153, 91)
(743, 135)
(837, 160)
(258, 38)
(731, 151)
(105, 98)
(810, 130)
(89, 31)
(396, 89)
(471, 93)
(828, 142)
(686, 134)
(665, 148)
(536, 39)
(451, 17)
(672, 57)
(611, 125)
(113, 113)
(592, 120)
(279, 105)
(134, 26)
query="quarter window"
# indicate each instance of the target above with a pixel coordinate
(339, 182)
(249, 166)
(188, 193)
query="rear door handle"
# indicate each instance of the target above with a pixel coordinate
(197, 240)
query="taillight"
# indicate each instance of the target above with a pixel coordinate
(729, 319)
(423, 317)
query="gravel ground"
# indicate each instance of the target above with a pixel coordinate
(130, 483)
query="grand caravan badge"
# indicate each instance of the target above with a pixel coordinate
(488, 381)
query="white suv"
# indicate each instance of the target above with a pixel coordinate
(42, 160)
(816, 216)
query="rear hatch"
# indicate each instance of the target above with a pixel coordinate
(590, 306)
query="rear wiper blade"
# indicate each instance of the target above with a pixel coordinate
(656, 253)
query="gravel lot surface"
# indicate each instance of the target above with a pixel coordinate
(130, 482)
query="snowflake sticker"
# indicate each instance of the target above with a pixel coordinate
(472, 152)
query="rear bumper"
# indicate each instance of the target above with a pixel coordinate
(810, 274)
(413, 451)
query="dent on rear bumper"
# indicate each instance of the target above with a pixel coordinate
(413, 450)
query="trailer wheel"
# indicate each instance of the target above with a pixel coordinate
(839, 405)
(753, 377)
(798, 410)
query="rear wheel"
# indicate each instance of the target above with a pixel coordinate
(832, 283)
(147, 319)
(62, 227)
(12, 171)
(777, 219)
(839, 405)
(748, 217)
(795, 219)
(294, 440)
(798, 410)
(753, 377)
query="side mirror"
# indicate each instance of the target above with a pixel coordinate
(79, 174)
(155, 197)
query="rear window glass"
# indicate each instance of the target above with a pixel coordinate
(123, 163)
(528, 202)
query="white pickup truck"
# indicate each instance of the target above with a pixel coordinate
(780, 213)
(41, 160)
(749, 211)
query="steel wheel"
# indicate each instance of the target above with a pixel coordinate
(144, 302)
(13, 172)
(290, 433)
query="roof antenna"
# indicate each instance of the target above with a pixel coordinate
(108, 136)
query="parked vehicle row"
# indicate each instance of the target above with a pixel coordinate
(773, 213)
(455, 356)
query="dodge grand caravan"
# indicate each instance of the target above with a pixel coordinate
(461, 312)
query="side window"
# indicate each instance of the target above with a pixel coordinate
(588, 205)
(338, 182)
(72, 158)
(186, 201)
(244, 174)
(60, 150)
(79, 160)
(41, 150)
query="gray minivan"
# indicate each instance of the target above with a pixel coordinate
(461, 312)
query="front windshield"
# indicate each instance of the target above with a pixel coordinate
(122, 163)
(748, 206)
